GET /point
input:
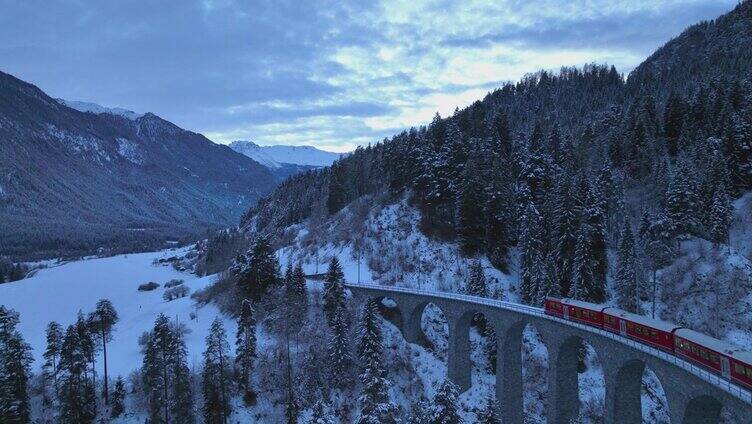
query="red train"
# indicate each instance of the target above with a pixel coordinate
(722, 358)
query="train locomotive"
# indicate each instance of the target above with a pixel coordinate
(728, 361)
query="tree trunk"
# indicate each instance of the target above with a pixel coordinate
(654, 290)
(104, 351)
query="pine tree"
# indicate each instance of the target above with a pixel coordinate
(682, 200)
(104, 319)
(499, 219)
(566, 225)
(245, 345)
(470, 214)
(551, 286)
(165, 375)
(593, 215)
(215, 376)
(490, 412)
(181, 407)
(476, 283)
(720, 218)
(15, 370)
(54, 335)
(445, 408)
(340, 360)
(257, 271)
(334, 290)
(118, 398)
(295, 298)
(299, 282)
(531, 254)
(155, 370)
(374, 400)
(627, 287)
(583, 274)
(321, 414)
(76, 392)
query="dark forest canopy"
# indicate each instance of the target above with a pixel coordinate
(581, 152)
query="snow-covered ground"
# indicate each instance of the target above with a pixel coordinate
(59, 292)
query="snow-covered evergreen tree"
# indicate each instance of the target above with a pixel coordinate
(627, 286)
(721, 213)
(470, 215)
(583, 278)
(245, 345)
(375, 407)
(490, 412)
(566, 225)
(445, 408)
(182, 404)
(54, 336)
(103, 321)
(118, 398)
(531, 254)
(258, 270)
(165, 374)
(476, 282)
(15, 370)
(334, 290)
(682, 200)
(76, 392)
(216, 375)
(322, 414)
(340, 359)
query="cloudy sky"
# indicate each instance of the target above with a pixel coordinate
(334, 74)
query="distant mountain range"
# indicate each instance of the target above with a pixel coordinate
(75, 177)
(274, 157)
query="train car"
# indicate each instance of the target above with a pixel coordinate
(650, 331)
(731, 362)
(575, 310)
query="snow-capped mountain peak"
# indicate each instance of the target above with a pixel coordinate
(255, 152)
(275, 156)
(98, 109)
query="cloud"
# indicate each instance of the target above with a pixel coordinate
(334, 74)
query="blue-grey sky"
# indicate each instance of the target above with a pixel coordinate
(333, 74)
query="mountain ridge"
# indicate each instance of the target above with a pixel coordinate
(276, 155)
(75, 181)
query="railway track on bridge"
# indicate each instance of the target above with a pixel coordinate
(713, 379)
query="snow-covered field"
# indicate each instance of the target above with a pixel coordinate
(58, 293)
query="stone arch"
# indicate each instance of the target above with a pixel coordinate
(703, 409)
(566, 381)
(632, 379)
(535, 354)
(417, 320)
(462, 332)
(391, 310)
(573, 355)
(509, 371)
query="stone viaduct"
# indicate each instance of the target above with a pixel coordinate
(694, 396)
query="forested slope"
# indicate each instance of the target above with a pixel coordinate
(72, 182)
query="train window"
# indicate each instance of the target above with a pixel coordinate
(630, 326)
(714, 358)
(653, 334)
(749, 372)
(739, 369)
(704, 354)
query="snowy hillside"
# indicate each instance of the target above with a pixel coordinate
(98, 109)
(274, 156)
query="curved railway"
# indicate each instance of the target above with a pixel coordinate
(700, 372)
